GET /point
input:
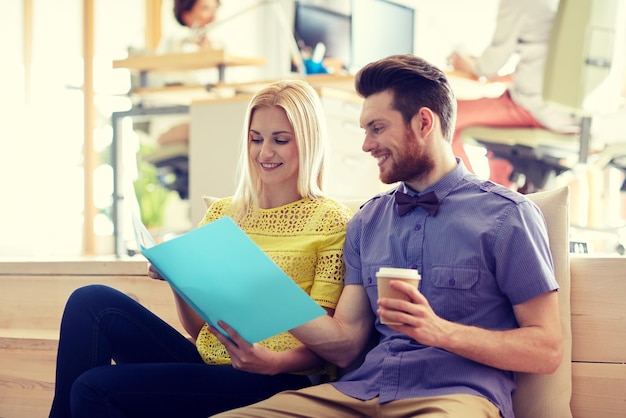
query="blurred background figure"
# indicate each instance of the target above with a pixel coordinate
(194, 16)
(516, 55)
(189, 33)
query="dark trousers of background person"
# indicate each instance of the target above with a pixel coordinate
(157, 373)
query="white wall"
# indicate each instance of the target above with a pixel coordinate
(444, 25)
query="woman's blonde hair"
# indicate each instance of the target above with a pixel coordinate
(304, 111)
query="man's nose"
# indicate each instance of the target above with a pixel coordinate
(368, 145)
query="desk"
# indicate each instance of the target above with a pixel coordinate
(184, 61)
(467, 88)
(214, 141)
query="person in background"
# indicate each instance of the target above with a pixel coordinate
(523, 31)
(480, 313)
(189, 34)
(194, 16)
(159, 372)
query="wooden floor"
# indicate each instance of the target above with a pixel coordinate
(26, 377)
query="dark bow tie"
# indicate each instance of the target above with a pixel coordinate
(406, 203)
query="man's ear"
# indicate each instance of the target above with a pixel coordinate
(423, 122)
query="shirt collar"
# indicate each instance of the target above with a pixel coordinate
(444, 185)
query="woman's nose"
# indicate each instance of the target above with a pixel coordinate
(266, 150)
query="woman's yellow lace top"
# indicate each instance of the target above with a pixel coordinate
(305, 239)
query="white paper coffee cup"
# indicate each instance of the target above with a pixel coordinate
(385, 275)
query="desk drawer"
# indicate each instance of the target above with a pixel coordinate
(342, 109)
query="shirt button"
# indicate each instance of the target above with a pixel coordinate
(393, 354)
(414, 267)
(452, 282)
(417, 227)
(369, 280)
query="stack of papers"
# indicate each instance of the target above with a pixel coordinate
(224, 275)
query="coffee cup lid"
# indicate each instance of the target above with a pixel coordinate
(398, 273)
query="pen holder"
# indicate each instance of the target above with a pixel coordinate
(313, 67)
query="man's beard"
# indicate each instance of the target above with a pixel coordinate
(413, 164)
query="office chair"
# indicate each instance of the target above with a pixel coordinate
(579, 60)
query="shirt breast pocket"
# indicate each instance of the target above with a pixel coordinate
(454, 292)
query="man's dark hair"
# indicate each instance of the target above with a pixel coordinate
(414, 84)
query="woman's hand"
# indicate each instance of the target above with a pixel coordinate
(253, 358)
(153, 273)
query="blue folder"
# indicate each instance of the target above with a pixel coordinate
(224, 275)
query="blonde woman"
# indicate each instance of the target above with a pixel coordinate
(158, 372)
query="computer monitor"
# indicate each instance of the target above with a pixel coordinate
(328, 22)
(380, 28)
(355, 31)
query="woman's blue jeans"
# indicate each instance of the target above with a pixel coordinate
(157, 370)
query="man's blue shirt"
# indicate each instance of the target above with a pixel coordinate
(485, 250)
